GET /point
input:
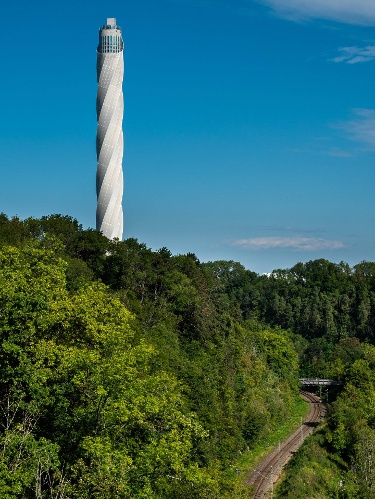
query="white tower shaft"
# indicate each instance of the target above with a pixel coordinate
(109, 138)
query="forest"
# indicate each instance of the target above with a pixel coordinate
(132, 373)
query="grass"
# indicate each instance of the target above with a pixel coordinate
(250, 459)
(314, 472)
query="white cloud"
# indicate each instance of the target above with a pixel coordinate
(345, 11)
(353, 55)
(300, 243)
(361, 128)
(336, 152)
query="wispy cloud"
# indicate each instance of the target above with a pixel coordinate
(353, 55)
(361, 128)
(333, 152)
(345, 11)
(299, 243)
(336, 152)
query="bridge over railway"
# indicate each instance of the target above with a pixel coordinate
(319, 382)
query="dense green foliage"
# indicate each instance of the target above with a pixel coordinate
(127, 372)
(318, 299)
(133, 373)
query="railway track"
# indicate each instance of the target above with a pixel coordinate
(263, 478)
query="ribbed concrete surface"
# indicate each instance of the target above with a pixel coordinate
(109, 144)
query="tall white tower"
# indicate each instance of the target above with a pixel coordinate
(109, 137)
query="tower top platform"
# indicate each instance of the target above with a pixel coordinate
(111, 24)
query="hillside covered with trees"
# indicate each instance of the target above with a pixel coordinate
(133, 373)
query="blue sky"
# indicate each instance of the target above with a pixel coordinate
(249, 125)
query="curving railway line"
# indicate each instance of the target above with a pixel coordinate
(263, 478)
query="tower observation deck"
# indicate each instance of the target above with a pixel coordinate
(109, 137)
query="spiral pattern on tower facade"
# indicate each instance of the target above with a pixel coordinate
(109, 137)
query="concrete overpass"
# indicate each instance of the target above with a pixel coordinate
(319, 382)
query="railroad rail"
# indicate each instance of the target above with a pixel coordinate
(263, 478)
